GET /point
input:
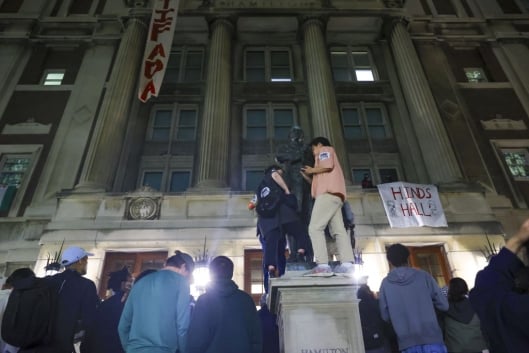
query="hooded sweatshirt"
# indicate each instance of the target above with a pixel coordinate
(156, 314)
(462, 328)
(408, 298)
(224, 320)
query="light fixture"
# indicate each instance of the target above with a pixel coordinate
(201, 276)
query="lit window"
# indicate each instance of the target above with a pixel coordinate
(359, 174)
(268, 121)
(16, 165)
(364, 121)
(272, 65)
(53, 78)
(517, 162)
(352, 65)
(475, 74)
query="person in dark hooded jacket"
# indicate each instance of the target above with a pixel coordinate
(461, 324)
(102, 336)
(504, 313)
(225, 319)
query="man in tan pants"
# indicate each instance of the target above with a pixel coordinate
(328, 191)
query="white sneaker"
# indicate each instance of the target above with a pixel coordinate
(322, 270)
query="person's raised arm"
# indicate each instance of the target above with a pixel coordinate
(280, 181)
(516, 242)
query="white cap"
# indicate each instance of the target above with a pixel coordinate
(73, 254)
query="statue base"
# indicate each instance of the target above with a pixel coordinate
(317, 314)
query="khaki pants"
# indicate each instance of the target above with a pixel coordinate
(327, 210)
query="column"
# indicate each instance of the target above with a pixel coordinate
(514, 56)
(324, 109)
(440, 161)
(215, 134)
(105, 147)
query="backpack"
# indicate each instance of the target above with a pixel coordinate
(30, 312)
(269, 197)
(372, 325)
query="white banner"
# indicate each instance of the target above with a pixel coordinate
(157, 48)
(412, 205)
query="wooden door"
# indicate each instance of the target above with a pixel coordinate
(136, 262)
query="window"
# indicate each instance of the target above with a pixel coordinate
(252, 179)
(364, 121)
(352, 65)
(173, 123)
(253, 273)
(185, 65)
(170, 181)
(385, 175)
(444, 7)
(80, 7)
(509, 6)
(517, 162)
(268, 121)
(388, 175)
(52, 77)
(16, 166)
(359, 174)
(10, 6)
(267, 65)
(475, 74)
(179, 182)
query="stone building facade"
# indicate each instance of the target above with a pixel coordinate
(422, 91)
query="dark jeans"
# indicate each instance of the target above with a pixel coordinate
(281, 260)
(277, 235)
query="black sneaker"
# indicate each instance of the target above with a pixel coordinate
(301, 257)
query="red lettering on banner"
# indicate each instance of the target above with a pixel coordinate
(162, 24)
(149, 88)
(412, 208)
(157, 50)
(153, 66)
(409, 193)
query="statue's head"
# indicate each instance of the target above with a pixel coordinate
(296, 134)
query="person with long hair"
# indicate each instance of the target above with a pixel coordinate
(461, 325)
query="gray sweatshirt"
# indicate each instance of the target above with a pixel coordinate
(407, 299)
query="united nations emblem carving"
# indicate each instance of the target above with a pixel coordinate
(143, 208)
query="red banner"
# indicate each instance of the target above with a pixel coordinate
(157, 48)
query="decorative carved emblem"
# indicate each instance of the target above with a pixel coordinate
(143, 208)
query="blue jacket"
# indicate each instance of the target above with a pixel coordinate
(224, 320)
(504, 314)
(408, 298)
(156, 314)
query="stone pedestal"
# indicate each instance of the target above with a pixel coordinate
(317, 314)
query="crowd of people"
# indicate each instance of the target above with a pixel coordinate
(155, 313)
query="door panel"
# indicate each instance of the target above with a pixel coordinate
(136, 262)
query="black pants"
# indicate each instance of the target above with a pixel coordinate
(275, 237)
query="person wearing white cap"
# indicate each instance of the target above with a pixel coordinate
(77, 301)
